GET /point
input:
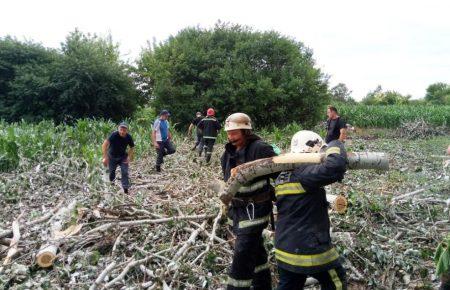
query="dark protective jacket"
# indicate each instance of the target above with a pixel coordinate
(302, 236)
(209, 127)
(246, 216)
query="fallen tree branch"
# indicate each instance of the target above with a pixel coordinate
(116, 243)
(212, 235)
(407, 195)
(34, 222)
(102, 275)
(107, 226)
(183, 250)
(131, 265)
(206, 233)
(246, 172)
(13, 247)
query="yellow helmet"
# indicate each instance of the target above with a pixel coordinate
(303, 141)
(238, 121)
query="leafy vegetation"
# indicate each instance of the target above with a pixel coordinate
(392, 116)
(438, 93)
(86, 78)
(232, 68)
(23, 145)
(380, 97)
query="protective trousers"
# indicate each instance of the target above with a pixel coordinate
(250, 266)
(208, 144)
(333, 279)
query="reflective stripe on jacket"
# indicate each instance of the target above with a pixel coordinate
(302, 237)
(209, 127)
(252, 216)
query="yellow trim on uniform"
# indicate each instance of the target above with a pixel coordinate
(254, 222)
(289, 188)
(333, 150)
(307, 260)
(239, 283)
(262, 267)
(335, 279)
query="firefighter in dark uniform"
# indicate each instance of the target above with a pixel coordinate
(302, 237)
(250, 209)
(209, 127)
(198, 135)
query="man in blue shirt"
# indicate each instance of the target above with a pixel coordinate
(161, 138)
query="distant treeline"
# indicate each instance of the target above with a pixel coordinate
(231, 68)
(85, 78)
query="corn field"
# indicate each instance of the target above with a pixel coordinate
(393, 116)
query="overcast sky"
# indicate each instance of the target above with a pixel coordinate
(400, 45)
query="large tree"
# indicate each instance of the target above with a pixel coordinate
(341, 93)
(232, 68)
(438, 93)
(24, 83)
(85, 78)
(380, 97)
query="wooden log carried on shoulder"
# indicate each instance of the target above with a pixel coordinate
(246, 172)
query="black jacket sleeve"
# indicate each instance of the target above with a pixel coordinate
(328, 172)
(218, 126)
(264, 151)
(201, 125)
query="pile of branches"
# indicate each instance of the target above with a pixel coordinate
(168, 232)
(419, 129)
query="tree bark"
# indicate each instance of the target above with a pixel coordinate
(13, 247)
(47, 253)
(246, 172)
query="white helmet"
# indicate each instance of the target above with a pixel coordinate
(303, 141)
(238, 121)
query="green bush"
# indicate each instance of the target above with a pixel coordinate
(231, 68)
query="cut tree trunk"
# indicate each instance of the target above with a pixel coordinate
(338, 203)
(47, 253)
(246, 172)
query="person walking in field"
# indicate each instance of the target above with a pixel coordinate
(336, 127)
(250, 210)
(209, 128)
(194, 124)
(115, 154)
(161, 138)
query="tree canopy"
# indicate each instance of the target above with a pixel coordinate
(438, 93)
(232, 68)
(85, 78)
(381, 97)
(341, 93)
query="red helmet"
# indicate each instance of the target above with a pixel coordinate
(210, 112)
